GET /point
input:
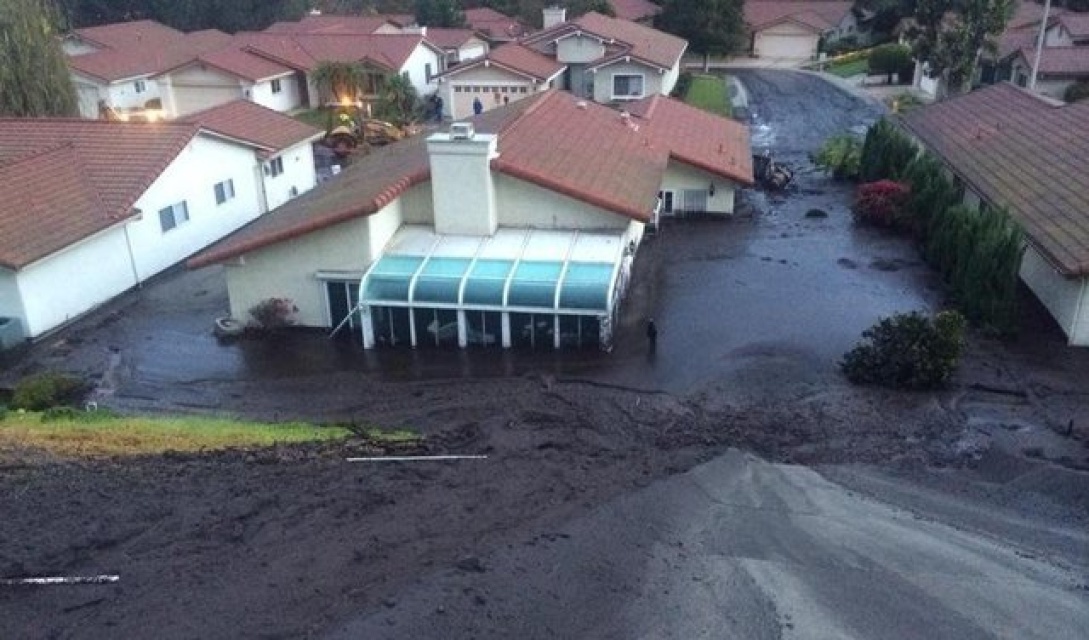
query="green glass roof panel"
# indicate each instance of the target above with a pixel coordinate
(398, 265)
(534, 284)
(586, 286)
(440, 280)
(389, 279)
(486, 282)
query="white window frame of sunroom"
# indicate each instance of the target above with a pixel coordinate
(642, 86)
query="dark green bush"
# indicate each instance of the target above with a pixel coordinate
(1077, 91)
(839, 156)
(931, 194)
(886, 153)
(907, 351)
(891, 60)
(684, 80)
(45, 390)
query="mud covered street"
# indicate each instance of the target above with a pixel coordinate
(730, 483)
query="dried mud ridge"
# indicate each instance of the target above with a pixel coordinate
(288, 540)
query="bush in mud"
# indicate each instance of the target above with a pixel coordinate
(46, 390)
(882, 203)
(886, 153)
(273, 313)
(840, 156)
(1076, 91)
(907, 351)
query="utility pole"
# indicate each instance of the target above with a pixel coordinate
(1039, 46)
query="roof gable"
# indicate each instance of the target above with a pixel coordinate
(1021, 152)
(554, 140)
(138, 57)
(820, 15)
(515, 58)
(107, 167)
(651, 46)
(242, 120)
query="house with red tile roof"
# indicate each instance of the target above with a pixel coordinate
(113, 66)
(508, 73)
(93, 208)
(1014, 150)
(517, 227)
(608, 59)
(495, 26)
(1064, 57)
(792, 29)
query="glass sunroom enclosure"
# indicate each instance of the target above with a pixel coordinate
(517, 288)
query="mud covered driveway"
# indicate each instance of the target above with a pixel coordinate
(591, 516)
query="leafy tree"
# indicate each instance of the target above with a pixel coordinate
(840, 156)
(907, 351)
(712, 27)
(891, 60)
(439, 13)
(1076, 91)
(952, 46)
(399, 103)
(34, 78)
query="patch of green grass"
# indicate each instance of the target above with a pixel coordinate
(83, 434)
(392, 436)
(904, 102)
(314, 117)
(709, 93)
(849, 68)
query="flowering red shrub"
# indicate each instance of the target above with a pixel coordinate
(881, 203)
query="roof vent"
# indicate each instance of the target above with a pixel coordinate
(461, 131)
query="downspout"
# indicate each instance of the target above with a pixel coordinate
(132, 256)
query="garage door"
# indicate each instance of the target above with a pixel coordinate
(491, 96)
(795, 47)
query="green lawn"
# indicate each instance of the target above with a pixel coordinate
(314, 117)
(848, 69)
(90, 435)
(709, 93)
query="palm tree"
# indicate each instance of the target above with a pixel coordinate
(338, 81)
(400, 102)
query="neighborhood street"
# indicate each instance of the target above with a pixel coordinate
(728, 484)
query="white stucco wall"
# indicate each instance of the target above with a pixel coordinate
(472, 49)
(416, 66)
(290, 269)
(76, 47)
(1066, 299)
(462, 188)
(192, 177)
(416, 205)
(299, 173)
(194, 88)
(603, 80)
(679, 177)
(288, 98)
(579, 48)
(669, 80)
(523, 204)
(11, 301)
(459, 89)
(1057, 36)
(123, 95)
(75, 280)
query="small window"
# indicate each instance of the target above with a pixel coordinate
(523, 90)
(224, 191)
(427, 71)
(276, 166)
(276, 86)
(292, 192)
(666, 198)
(139, 86)
(173, 216)
(404, 74)
(627, 86)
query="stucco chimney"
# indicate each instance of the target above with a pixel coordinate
(553, 16)
(462, 189)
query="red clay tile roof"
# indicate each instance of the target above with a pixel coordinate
(304, 52)
(640, 42)
(514, 57)
(241, 63)
(1013, 40)
(1029, 13)
(332, 24)
(634, 10)
(495, 25)
(145, 57)
(1076, 23)
(821, 15)
(128, 34)
(1020, 152)
(1067, 62)
(449, 38)
(695, 137)
(599, 158)
(108, 167)
(251, 123)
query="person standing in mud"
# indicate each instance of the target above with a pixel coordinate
(652, 334)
